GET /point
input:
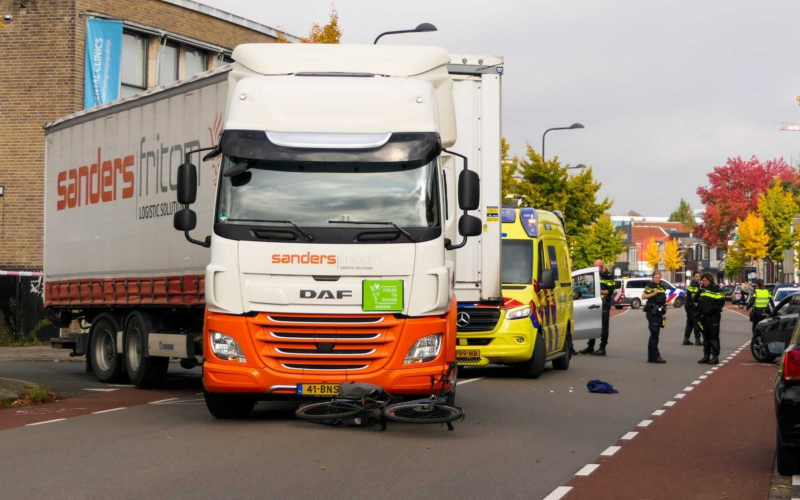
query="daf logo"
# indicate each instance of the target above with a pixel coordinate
(462, 319)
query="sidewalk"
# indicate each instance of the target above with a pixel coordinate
(715, 441)
(38, 353)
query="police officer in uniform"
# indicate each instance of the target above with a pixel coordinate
(692, 294)
(655, 310)
(760, 304)
(607, 286)
(709, 314)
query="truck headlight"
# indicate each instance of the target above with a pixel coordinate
(225, 347)
(424, 350)
(519, 312)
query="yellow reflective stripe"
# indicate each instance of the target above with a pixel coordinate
(712, 295)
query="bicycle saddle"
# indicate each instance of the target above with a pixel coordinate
(359, 390)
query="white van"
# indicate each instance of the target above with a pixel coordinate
(629, 293)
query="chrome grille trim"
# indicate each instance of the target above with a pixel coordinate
(281, 388)
(334, 353)
(326, 321)
(325, 368)
(312, 336)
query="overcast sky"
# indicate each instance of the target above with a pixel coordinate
(666, 89)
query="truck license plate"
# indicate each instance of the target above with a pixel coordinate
(323, 390)
(468, 353)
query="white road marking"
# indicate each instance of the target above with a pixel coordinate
(715, 368)
(610, 451)
(467, 381)
(696, 382)
(679, 396)
(688, 389)
(100, 390)
(669, 403)
(703, 377)
(644, 423)
(121, 385)
(725, 361)
(709, 372)
(45, 422)
(587, 469)
(162, 401)
(558, 493)
(658, 412)
(629, 436)
(106, 411)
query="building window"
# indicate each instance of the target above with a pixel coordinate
(196, 61)
(719, 254)
(169, 64)
(133, 67)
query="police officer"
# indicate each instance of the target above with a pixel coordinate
(692, 294)
(759, 304)
(655, 310)
(709, 314)
(607, 286)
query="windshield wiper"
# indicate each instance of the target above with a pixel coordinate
(361, 222)
(303, 231)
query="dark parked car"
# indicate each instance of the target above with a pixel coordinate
(777, 327)
(770, 288)
(787, 403)
(727, 290)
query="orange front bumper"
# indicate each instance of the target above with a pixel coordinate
(325, 349)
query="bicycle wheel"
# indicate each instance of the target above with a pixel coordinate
(328, 410)
(415, 412)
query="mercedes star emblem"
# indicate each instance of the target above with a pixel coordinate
(462, 319)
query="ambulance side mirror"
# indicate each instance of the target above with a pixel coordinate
(547, 281)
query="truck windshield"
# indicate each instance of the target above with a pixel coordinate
(518, 262)
(311, 195)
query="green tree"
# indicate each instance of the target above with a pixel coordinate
(509, 166)
(683, 213)
(733, 262)
(610, 243)
(585, 248)
(547, 185)
(778, 207)
(634, 213)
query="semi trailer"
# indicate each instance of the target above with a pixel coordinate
(332, 200)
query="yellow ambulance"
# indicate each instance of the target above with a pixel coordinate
(535, 323)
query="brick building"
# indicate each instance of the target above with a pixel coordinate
(43, 44)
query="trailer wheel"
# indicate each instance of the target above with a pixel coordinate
(106, 363)
(228, 405)
(143, 371)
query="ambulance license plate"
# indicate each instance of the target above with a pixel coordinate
(322, 390)
(468, 353)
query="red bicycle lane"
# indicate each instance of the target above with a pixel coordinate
(715, 441)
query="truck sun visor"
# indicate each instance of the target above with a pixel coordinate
(530, 221)
(326, 147)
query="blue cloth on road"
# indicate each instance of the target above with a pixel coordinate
(599, 386)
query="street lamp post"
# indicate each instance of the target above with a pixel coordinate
(571, 127)
(579, 165)
(422, 28)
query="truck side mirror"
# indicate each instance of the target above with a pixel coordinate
(547, 280)
(469, 190)
(187, 184)
(185, 219)
(469, 225)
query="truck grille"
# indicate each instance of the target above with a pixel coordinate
(326, 336)
(479, 319)
(322, 319)
(295, 366)
(335, 352)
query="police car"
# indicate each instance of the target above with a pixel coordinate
(629, 293)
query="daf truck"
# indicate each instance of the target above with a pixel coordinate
(324, 196)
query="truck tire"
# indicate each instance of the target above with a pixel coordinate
(228, 405)
(534, 367)
(143, 371)
(106, 363)
(636, 304)
(562, 363)
(451, 395)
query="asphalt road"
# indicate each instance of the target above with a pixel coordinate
(521, 438)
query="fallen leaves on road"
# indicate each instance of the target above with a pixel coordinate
(323, 468)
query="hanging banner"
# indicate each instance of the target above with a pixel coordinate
(103, 54)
